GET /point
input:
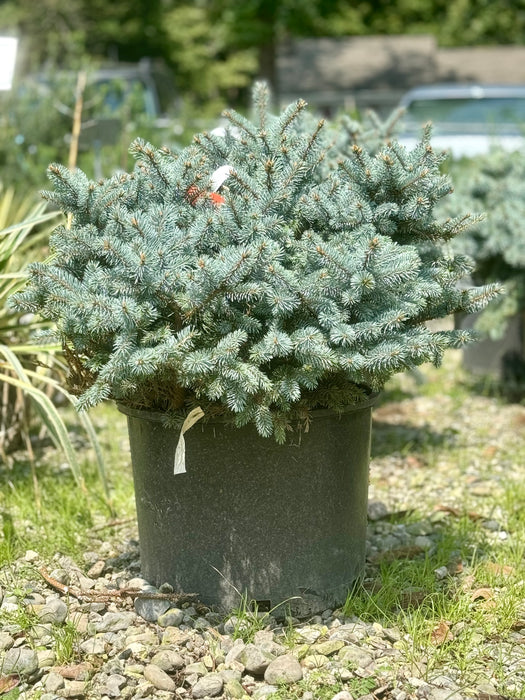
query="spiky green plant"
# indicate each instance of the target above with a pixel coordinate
(18, 242)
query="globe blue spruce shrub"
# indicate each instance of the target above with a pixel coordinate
(285, 292)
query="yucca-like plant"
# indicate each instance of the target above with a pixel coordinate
(19, 384)
(294, 287)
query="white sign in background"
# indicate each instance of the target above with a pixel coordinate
(8, 48)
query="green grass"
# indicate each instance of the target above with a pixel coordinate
(467, 620)
(323, 687)
(61, 518)
(65, 636)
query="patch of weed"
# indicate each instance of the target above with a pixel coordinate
(323, 685)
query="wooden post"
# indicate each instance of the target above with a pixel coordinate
(77, 120)
(77, 127)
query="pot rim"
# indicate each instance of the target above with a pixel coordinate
(317, 413)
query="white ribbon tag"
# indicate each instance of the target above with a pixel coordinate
(219, 176)
(180, 453)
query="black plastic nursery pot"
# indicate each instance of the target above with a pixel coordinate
(497, 358)
(250, 516)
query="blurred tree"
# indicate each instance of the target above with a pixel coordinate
(127, 30)
(208, 65)
(452, 22)
(217, 47)
(51, 32)
(61, 32)
(262, 24)
(471, 22)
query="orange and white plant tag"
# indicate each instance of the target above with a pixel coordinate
(218, 178)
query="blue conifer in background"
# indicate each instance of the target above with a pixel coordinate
(493, 185)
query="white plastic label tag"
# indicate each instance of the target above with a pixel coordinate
(180, 453)
(219, 176)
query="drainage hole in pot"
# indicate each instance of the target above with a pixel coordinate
(261, 605)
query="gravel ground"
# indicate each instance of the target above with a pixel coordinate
(433, 453)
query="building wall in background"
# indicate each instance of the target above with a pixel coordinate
(373, 72)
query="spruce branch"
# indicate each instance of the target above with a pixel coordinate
(261, 100)
(290, 115)
(241, 123)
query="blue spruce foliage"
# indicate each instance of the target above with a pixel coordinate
(300, 286)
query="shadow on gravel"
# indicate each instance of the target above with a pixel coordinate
(389, 438)
(509, 390)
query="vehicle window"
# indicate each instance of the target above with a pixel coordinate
(114, 95)
(468, 111)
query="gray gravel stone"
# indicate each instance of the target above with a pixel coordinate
(356, 655)
(141, 583)
(150, 608)
(22, 660)
(168, 660)
(42, 632)
(46, 658)
(328, 648)
(159, 678)
(93, 645)
(198, 668)
(424, 542)
(74, 689)
(6, 641)
(201, 624)
(115, 621)
(34, 599)
(53, 682)
(264, 640)
(61, 575)
(173, 617)
(53, 612)
(442, 694)
(283, 670)
(9, 606)
(174, 635)
(377, 510)
(96, 570)
(233, 623)
(31, 556)
(234, 653)
(208, 686)
(343, 695)
(255, 660)
(233, 689)
(114, 685)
